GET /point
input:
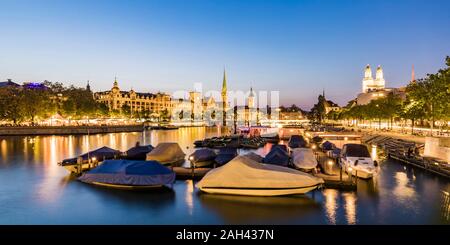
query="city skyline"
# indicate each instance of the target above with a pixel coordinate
(166, 46)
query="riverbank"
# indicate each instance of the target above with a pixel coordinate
(68, 130)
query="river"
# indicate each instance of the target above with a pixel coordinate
(35, 190)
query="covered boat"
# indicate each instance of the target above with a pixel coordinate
(297, 141)
(129, 174)
(277, 156)
(281, 147)
(167, 154)
(356, 160)
(225, 155)
(303, 158)
(202, 158)
(138, 152)
(328, 146)
(95, 156)
(243, 176)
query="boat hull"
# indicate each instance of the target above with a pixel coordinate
(127, 187)
(259, 192)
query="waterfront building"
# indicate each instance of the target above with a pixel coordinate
(195, 109)
(376, 88)
(115, 99)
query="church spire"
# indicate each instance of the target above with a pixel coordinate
(413, 75)
(88, 86)
(224, 83)
(115, 82)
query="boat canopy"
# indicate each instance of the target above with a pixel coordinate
(244, 173)
(139, 152)
(304, 158)
(103, 153)
(166, 153)
(202, 155)
(130, 173)
(355, 150)
(277, 156)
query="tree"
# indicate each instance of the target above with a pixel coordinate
(36, 102)
(79, 103)
(11, 104)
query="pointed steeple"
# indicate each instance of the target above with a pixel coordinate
(413, 75)
(323, 93)
(115, 82)
(224, 83)
(88, 87)
(251, 92)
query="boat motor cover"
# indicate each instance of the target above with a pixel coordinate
(243, 172)
(166, 153)
(127, 172)
(297, 141)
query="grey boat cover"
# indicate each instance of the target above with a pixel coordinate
(166, 153)
(202, 155)
(242, 172)
(304, 158)
(132, 173)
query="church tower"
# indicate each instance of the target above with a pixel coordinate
(251, 99)
(379, 79)
(88, 87)
(367, 80)
(224, 99)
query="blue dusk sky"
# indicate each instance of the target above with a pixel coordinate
(296, 47)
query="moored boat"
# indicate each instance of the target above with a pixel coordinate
(225, 155)
(167, 153)
(202, 158)
(356, 160)
(243, 176)
(129, 174)
(297, 141)
(87, 160)
(304, 159)
(138, 152)
(277, 156)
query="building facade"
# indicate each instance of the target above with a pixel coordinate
(116, 99)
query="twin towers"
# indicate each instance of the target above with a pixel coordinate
(370, 84)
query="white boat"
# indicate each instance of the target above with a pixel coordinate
(244, 176)
(356, 160)
(303, 158)
(265, 132)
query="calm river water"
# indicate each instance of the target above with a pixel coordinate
(35, 190)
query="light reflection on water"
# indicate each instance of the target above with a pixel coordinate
(35, 190)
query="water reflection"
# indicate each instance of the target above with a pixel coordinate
(350, 207)
(256, 210)
(331, 204)
(35, 190)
